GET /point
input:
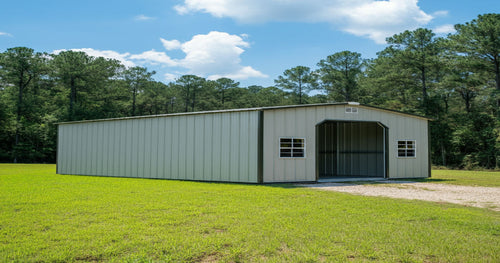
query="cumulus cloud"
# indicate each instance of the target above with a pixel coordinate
(143, 18)
(170, 44)
(369, 18)
(216, 54)
(242, 73)
(444, 29)
(154, 57)
(213, 55)
(122, 57)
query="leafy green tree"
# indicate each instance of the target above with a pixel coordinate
(272, 96)
(20, 67)
(299, 79)
(475, 140)
(189, 86)
(155, 98)
(6, 125)
(461, 79)
(137, 78)
(71, 69)
(441, 145)
(388, 86)
(339, 74)
(418, 51)
(222, 85)
(480, 40)
(86, 81)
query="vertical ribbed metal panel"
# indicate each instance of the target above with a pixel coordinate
(204, 147)
(127, 148)
(217, 139)
(190, 161)
(207, 150)
(115, 149)
(173, 143)
(225, 147)
(198, 158)
(288, 122)
(358, 146)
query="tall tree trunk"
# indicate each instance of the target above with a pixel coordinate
(424, 89)
(187, 98)
(497, 72)
(22, 86)
(467, 96)
(223, 98)
(300, 92)
(447, 106)
(497, 77)
(72, 99)
(347, 94)
(18, 117)
(443, 154)
(194, 98)
(134, 94)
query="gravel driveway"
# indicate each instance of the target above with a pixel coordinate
(484, 197)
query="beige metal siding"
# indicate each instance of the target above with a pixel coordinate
(301, 122)
(208, 147)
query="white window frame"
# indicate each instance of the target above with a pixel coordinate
(351, 110)
(406, 149)
(292, 147)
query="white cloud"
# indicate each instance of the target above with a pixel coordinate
(170, 77)
(441, 13)
(444, 29)
(216, 54)
(170, 44)
(369, 18)
(154, 57)
(5, 34)
(381, 19)
(143, 17)
(242, 73)
(122, 57)
(213, 55)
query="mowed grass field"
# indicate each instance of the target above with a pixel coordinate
(46, 217)
(460, 177)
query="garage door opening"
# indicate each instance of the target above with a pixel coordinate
(351, 149)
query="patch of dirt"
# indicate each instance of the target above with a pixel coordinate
(208, 258)
(484, 197)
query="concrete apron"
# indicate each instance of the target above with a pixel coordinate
(351, 179)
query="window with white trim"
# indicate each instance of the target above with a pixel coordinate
(351, 110)
(292, 147)
(407, 148)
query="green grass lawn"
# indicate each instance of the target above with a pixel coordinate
(46, 217)
(460, 177)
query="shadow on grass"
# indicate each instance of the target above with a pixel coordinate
(348, 183)
(426, 180)
(283, 185)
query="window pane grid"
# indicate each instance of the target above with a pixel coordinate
(292, 147)
(351, 110)
(406, 148)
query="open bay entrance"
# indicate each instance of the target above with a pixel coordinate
(351, 149)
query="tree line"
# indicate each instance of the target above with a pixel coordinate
(454, 80)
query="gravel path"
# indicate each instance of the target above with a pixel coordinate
(485, 197)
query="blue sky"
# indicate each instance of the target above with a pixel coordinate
(251, 41)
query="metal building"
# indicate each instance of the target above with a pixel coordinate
(257, 145)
